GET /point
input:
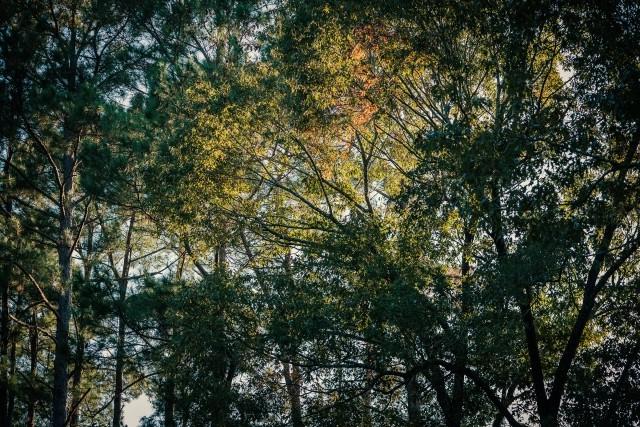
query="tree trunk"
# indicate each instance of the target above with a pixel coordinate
(169, 386)
(413, 403)
(220, 256)
(65, 242)
(61, 360)
(507, 399)
(11, 397)
(4, 344)
(291, 372)
(292, 380)
(457, 395)
(117, 398)
(65, 247)
(120, 350)
(169, 402)
(33, 356)
(76, 381)
(5, 273)
(367, 419)
(5, 282)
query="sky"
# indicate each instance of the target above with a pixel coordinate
(136, 409)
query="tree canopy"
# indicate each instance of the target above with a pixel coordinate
(320, 212)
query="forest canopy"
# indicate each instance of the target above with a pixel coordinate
(317, 213)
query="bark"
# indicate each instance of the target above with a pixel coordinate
(33, 358)
(80, 345)
(65, 247)
(443, 398)
(76, 381)
(120, 350)
(413, 402)
(66, 242)
(168, 391)
(11, 399)
(117, 399)
(16, 107)
(61, 358)
(220, 257)
(186, 412)
(292, 378)
(367, 419)
(535, 360)
(290, 372)
(507, 399)
(4, 344)
(457, 395)
(169, 397)
(5, 281)
(180, 268)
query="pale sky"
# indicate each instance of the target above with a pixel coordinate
(137, 409)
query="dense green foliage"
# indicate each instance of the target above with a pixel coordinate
(320, 212)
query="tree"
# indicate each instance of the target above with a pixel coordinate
(318, 213)
(82, 55)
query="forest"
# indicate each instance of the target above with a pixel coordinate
(316, 213)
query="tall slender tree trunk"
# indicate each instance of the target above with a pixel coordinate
(169, 397)
(117, 397)
(290, 372)
(76, 381)
(120, 350)
(367, 419)
(79, 359)
(65, 247)
(220, 257)
(292, 378)
(65, 242)
(413, 402)
(5, 282)
(11, 396)
(461, 353)
(33, 368)
(61, 360)
(168, 391)
(4, 344)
